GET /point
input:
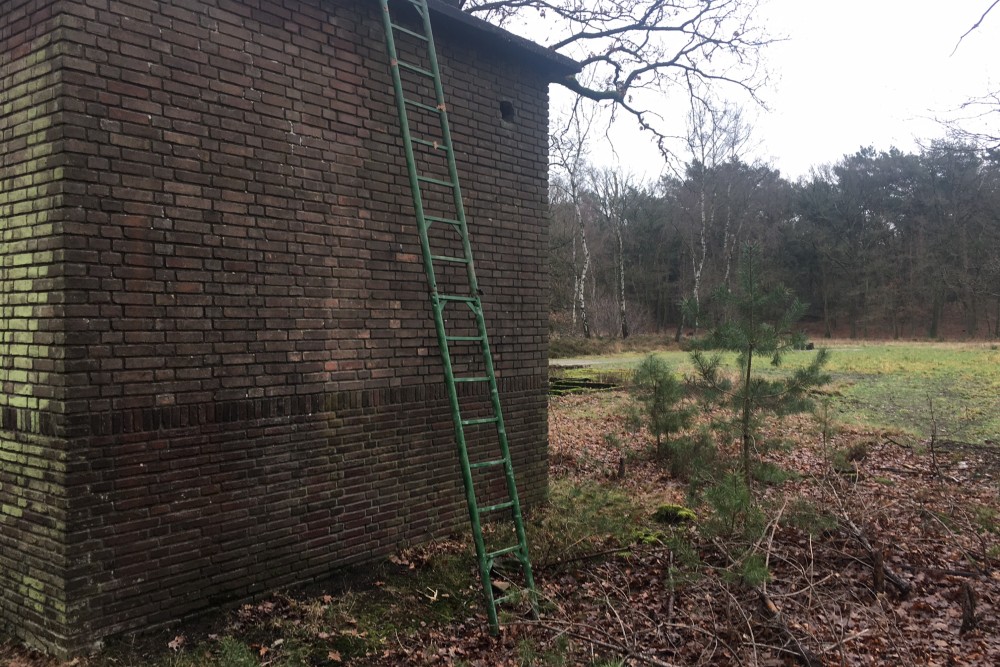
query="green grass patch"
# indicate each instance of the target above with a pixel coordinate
(564, 347)
(893, 386)
(531, 652)
(986, 519)
(771, 474)
(806, 516)
(882, 385)
(599, 406)
(581, 519)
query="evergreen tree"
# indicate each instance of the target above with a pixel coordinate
(659, 393)
(756, 322)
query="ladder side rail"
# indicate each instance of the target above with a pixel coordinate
(522, 553)
(522, 539)
(436, 303)
(449, 148)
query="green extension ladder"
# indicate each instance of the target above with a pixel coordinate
(440, 217)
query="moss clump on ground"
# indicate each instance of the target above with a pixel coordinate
(672, 515)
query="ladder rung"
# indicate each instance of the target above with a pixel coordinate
(415, 69)
(410, 32)
(437, 145)
(472, 379)
(420, 105)
(452, 297)
(486, 464)
(497, 507)
(447, 221)
(479, 420)
(513, 596)
(435, 181)
(502, 552)
(465, 339)
(448, 258)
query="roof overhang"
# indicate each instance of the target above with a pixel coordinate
(554, 65)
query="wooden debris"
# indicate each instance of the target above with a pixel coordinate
(770, 611)
(902, 585)
(878, 571)
(967, 598)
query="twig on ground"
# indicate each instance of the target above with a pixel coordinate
(596, 554)
(771, 613)
(903, 586)
(670, 584)
(611, 646)
(909, 470)
(839, 644)
(965, 552)
(894, 442)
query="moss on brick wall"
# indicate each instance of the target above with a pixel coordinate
(33, 503)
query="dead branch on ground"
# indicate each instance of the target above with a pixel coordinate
(902, 585)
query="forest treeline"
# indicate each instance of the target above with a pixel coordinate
(882, 243)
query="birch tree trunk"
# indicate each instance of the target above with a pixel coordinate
(581, 295)
(569, 150)
(622, 317)
(699, 263)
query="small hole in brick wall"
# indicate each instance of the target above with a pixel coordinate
(507, 112)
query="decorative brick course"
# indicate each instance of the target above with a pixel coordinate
(218, 368)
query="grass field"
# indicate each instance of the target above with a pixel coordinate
(890, 385)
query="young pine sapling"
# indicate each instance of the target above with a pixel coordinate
(756, 322)
(659, 393)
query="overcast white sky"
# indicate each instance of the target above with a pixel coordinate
(854, 73)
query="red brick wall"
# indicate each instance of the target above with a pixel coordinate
(253, 394)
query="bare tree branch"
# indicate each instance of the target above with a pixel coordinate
(974, 27)
(972, 118)
(638, 54)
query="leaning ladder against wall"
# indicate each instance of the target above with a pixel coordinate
(451, 278)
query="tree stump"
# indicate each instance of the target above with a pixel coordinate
(878, 570)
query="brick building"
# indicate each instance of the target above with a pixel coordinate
(218, 368)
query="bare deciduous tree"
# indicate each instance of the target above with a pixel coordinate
(973, 117)
(568, 155)
(716, 133)
(977, 111)
(617, 196)
(632, 47)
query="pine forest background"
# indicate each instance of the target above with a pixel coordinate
(882, 244)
